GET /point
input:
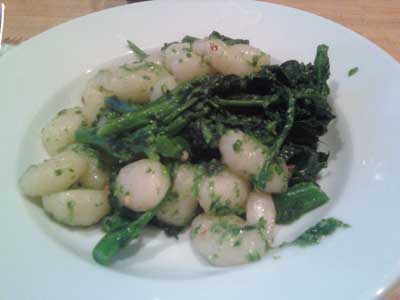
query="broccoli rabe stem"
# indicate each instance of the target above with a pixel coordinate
(113, 241)
(262, 103)
(139, 118)
(169, 106)
(164, 109)
(262, 176)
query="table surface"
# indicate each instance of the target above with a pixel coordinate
(377, 20)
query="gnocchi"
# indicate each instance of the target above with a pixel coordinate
(142, 185)
(223, 193)
(179, 209)
(54, 175)
(60, 132)
(79, 207)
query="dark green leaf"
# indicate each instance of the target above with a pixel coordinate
(298, 200)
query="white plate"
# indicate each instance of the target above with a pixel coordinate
(41, 260)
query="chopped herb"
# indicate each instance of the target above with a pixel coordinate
(352, 71)
(196, 230)
(145, 77)
(70, 207)
(135, 49)
(236, 189)
(238, 242)
(253, 256)
(58, 172)
(237, 146)
(188, 55)
(196, 182)
(255, 59)
(164, 88)
(227, 40)
(315, 234)
(166, 45)
(189, 39)
(222, 208)
(62, 112)
(180, 60)
(227, 229)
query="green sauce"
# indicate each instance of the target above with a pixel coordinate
(315, 234)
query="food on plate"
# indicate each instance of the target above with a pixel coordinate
(205, 134)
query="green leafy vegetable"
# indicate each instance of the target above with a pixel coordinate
(120, 237)
(298, 200)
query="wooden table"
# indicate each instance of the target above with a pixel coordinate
(377, 20)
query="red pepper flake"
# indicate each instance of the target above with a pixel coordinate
(291, 169)
(213, 47)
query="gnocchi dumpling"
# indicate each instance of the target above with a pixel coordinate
(95, 177)
(223, 193)
(142, 185)
(60, 132)
(131, 82)
(135, 82)
(183, 63)
(242, 154)
(239, 59)
(226, 240)
(54, 175)
(179, 209)
(167, 83)
(79, 207)
(245, 156)
(261, 206)
(93, 100)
